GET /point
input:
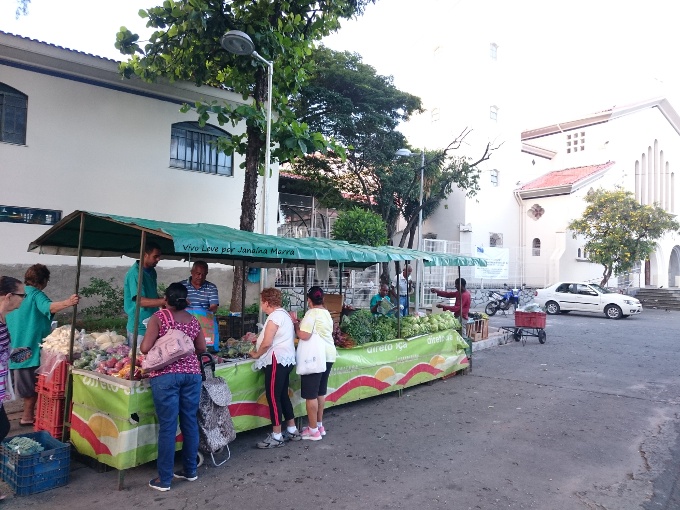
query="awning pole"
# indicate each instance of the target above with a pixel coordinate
(304, 288)
(243, 300)
(81, 234)
(396, 292)
(138, 300)
(69, 378)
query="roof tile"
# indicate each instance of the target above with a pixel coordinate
(565, 177)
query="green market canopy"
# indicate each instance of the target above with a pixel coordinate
(107, 235)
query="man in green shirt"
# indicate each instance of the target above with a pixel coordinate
(377, 306)
(149, 301)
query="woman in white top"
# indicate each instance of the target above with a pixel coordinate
(275, 353)
(314, 386)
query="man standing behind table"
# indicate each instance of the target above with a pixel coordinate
(203, 302)
(200, 292)
(463, 299)
(405, 288)
(149, 302)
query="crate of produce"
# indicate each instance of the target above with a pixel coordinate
(530, 319)
(34, 472)
(49, 415)
(229, 326)
(54, 383)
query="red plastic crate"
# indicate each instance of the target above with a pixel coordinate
(55, 432)
(530, 319)
(54, 384)
(49, 415)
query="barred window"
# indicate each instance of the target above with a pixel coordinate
(536, 247)
(192, 147)
(13, 114)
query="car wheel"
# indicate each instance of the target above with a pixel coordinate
(552, 308)
(613, 312)
(490, 309)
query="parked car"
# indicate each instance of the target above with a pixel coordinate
(565, 297)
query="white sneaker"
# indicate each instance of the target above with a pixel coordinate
(309, 435)
(270, 442)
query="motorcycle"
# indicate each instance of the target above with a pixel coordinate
(502, 302)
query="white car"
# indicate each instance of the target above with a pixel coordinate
(565, 297)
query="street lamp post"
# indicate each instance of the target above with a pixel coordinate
(407, 153)
(240, 43)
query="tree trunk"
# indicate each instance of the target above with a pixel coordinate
(606, 275)
(411, 236)
(249, 199)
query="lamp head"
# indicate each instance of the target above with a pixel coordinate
(237, 42)
(403, 153)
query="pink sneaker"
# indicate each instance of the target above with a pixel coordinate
(322, 430)
(309, 435)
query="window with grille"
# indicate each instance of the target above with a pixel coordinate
(494, 177)
(493, 113)
(493, 51)
(576, 142)
(193, 147)
(495, 240)
(536, 247)
(13, 114)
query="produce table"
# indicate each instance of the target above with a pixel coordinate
(113, 420)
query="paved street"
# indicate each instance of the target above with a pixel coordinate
(588, 420)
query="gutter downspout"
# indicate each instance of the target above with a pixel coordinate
(520, 227)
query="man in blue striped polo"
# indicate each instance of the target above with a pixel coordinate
(200, 292)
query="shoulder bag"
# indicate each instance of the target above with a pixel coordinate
(310, 357)
(175, 344)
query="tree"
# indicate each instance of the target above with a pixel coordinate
(186, 46)
(348, 100)
(22, 8)
(619, 231)
(359, 226)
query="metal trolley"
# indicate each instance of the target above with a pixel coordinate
(528, 324)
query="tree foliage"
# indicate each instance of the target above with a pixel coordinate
(619, 231)
(186, 46)
(22, 8)
(359, 226)
(346, 99)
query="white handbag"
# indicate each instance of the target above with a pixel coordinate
(310, 357)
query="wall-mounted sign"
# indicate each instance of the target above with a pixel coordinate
(13, 214)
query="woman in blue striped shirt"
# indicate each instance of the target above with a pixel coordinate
(11, 295)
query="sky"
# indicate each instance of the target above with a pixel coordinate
(566, 58)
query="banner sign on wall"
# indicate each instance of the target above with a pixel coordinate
(497, 263)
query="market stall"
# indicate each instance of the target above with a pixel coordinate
(113, 418)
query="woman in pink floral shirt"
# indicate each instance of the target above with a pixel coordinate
(176, 389)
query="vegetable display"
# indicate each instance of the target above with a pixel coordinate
(362, 327)
(24, 445)
(101, 352)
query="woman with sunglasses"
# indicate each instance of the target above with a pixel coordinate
(28, 326)
(11, 296)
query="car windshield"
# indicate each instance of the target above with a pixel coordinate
(601, 290)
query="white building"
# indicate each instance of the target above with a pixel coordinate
(636, 147)
(75, 135)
